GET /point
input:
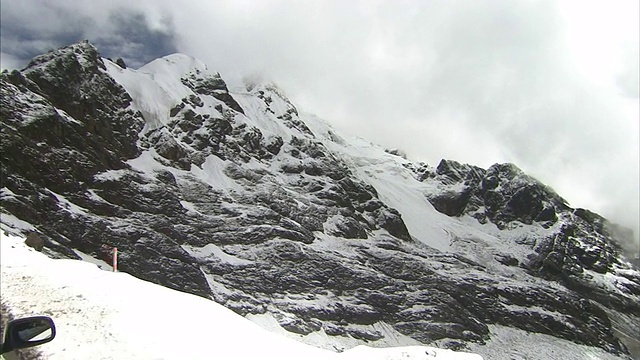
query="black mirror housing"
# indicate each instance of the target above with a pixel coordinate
(27, 332)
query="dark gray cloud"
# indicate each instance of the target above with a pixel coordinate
(24, 34)
(549, 85)
(27, 31)
(132, 39)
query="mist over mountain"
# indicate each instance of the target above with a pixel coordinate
(236, 195)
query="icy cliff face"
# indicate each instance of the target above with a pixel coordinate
(239, 197)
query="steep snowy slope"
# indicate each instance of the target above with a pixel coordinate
(236, 196)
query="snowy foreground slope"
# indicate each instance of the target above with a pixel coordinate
(105, 315)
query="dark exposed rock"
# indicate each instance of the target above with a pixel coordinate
(504, 195)
(94, 100)
(121, 63)
(274, 145)
(35, 241)
(504, 192)
(507, 260)
(347, 227)
(366, 335)
(299, 326)
(451, 203)
(397, 152)
(212, 86)
(391, 220)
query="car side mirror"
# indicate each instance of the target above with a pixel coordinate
(27, 332)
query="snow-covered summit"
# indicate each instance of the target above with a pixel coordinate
(84, 52)
(174, 66)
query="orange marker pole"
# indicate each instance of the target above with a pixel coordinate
(115, 259)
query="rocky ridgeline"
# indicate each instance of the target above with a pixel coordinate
(298, 236)
(506, 196)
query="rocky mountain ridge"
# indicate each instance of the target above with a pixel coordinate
(236, 196)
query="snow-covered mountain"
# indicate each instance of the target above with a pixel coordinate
(232, 194)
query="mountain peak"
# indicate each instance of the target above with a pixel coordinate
(176, 64)
(82, 53)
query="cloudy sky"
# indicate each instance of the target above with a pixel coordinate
(551, 86)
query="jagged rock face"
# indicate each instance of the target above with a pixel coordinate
(232, 196)
(501, 194)
(95, 100)
(504, 195)
(67, 129)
